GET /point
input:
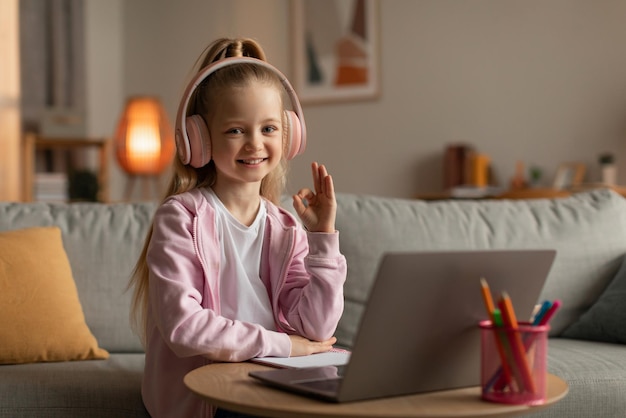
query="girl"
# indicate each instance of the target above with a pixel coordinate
(225, 274)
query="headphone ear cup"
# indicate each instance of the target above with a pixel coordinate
(294, 135)
(199, 141)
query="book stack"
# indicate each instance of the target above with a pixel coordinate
(456, 171)
(51, 187)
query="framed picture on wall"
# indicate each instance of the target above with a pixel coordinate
(335, 50)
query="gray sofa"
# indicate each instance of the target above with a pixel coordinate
(103, 241)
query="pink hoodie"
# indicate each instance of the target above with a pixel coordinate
(303, 272)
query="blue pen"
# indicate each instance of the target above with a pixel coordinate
(542, 311)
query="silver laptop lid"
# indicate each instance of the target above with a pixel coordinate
(419, 331)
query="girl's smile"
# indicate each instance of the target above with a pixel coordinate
(253, 162)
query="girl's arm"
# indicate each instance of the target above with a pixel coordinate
(311, 296)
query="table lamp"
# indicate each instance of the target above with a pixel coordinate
(144, 141)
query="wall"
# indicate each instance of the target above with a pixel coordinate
(104, 43)
(538, 81)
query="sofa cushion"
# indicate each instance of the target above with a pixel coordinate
(581, 228)
(42, 318)
(605, 320)
(595, 374)
(96, 389)
(102, 243)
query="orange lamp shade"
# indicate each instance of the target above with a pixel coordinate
(144, 139)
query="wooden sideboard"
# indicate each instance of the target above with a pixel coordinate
(529, 193)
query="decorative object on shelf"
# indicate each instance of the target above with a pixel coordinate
(50, 187)
(63, 122)
(144, 141)
(518, 181)
(535, 174)
(568, 175)
(83, 186)
(480, 169)
(609, 168)
(335, 46)
(474, 192)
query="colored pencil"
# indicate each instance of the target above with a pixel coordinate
(517, 347)
(545, 306)
(550, 312)
(496, 321)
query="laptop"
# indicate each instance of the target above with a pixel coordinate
(419, 330)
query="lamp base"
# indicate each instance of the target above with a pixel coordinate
(145, 186)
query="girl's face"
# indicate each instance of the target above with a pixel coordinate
(246, 134)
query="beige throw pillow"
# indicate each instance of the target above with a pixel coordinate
(41, 318)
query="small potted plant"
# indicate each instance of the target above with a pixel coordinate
(83, 186)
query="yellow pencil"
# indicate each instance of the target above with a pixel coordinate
(491, 309)
(487, 297)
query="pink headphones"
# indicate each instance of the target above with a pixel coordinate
(192, 134)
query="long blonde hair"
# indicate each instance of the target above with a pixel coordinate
(184, 177)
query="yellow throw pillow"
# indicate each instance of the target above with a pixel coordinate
(41, 318)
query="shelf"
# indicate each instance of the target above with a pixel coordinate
(32, 143)
(530, 193)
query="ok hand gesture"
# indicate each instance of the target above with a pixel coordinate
(319, 211)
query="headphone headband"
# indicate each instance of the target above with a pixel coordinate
(182, 134)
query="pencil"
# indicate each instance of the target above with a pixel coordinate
(517, 347)
(484, 287)
(545, 306)
(496, 321)
(505, 360)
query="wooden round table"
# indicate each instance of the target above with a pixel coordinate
(228, 386)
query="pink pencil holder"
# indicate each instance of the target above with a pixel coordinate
(514, 363)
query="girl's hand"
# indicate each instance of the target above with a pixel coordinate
(319, 212)
(300, 346)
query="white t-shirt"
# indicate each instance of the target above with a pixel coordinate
(240, 265)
